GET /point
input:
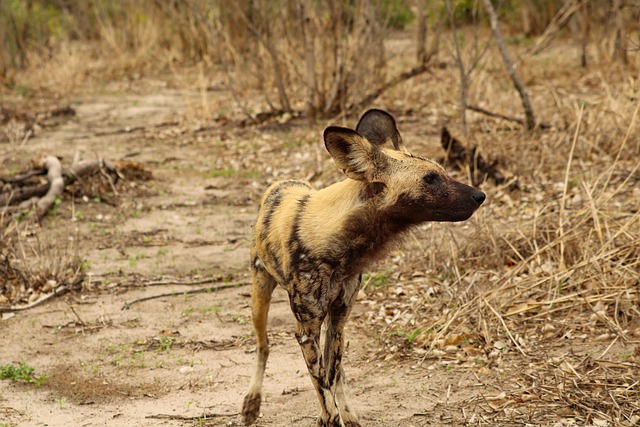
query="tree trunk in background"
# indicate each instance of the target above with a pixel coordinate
(3, 36)
(337, 92)
(464, 80)
(525, 13)
(620, 43)
(236, 19)
(583, 17)
(524, 96)
(421, 35)
(267, 41)
(308, 44)
(434, 44)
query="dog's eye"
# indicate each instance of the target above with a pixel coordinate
(431, 178)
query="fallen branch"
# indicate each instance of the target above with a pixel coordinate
(21, 178)
(128, 305)
(194, 418)
(42, 197)
(56, 185)
(138, 128)
(170, 282)
(73, 174)
(60, 290)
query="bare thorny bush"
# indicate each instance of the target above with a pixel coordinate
(542, 283)
(35, 265)
(562, 253)
(317, 57)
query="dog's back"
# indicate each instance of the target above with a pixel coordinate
(279, 210)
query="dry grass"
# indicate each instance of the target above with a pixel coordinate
(540, 270)
(34, 264)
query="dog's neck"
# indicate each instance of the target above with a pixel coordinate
(363, 233)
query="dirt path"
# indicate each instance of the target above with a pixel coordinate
(188, 355)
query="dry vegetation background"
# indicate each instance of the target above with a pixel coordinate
(542, 285)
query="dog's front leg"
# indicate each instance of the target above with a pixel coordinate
(308, 336)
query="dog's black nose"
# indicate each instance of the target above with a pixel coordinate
(479, 197)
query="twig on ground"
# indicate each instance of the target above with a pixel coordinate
(138, 128)
(194, 418)
(506, 328)
(174, 282)
(128, 305)
(62, 289)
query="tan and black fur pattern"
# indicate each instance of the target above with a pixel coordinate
(315, 244)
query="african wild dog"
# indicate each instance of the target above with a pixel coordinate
(315, 244)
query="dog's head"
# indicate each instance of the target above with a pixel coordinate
(408, 188)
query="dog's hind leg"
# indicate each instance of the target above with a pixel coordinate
(262, 288)
(334, 348)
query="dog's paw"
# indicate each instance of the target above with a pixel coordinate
(335, 422)
(251, 408)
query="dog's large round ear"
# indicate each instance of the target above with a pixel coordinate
(379, 127)
(351, 152)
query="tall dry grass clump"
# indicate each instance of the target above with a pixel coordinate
(35, 266)
(542, 284)
(561, 251)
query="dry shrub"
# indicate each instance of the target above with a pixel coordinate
(540, 272)
(561, 252)
(34, 264)
(318, 57)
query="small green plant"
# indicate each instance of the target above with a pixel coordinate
(374, 280)
(133, 261)
(22, 372)
(166, 343)
(200, 422)
(410, 336)
(222, 173)
(210, 309)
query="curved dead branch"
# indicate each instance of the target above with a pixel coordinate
(56, 184)
(42, 197)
